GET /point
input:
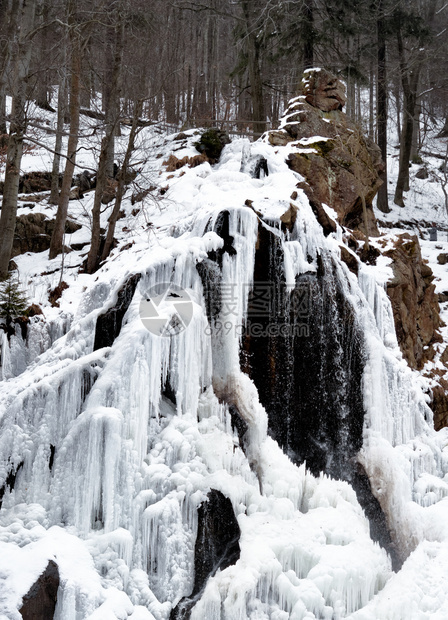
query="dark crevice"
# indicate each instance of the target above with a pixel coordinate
(239, 425)
(379, 530)
(222, 229)
(217, 547)
(89, 376)
(52, 455)
(10, 481)
(108, 325)
(210, 274)
(168, 391)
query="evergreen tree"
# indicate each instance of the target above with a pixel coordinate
(13, 301)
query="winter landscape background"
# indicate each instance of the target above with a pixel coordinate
(224, 311)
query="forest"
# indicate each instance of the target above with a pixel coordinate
(230, 64)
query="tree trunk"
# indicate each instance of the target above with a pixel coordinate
(56, 245)
(409, 83)
(308, 34)
(121, 178)
(42, 86)
(54, 194)
(381, 90)
(10, 24)
(255, 78)
(113, 77)
(371, 101)
(101, 182)
(410, 74)
(9, 206)
(16, 134)
(415, 149)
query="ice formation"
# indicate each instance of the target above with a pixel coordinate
(107, 453)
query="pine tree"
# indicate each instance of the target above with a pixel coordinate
(13, 301)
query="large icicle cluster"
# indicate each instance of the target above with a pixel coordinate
(105, 455)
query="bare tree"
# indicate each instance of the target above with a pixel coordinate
(16, 135)
(56, 244)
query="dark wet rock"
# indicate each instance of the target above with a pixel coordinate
(314, 413)
(40, 602)
(379, 530)
(210, 274)
(108, 325)
(256, 167)
(217, 547)
(292, 344)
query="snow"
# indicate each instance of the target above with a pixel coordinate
(117, 511)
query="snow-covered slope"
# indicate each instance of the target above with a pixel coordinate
(108, 452)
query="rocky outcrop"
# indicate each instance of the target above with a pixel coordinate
(40, 602)
(33, 233)
(339, 164)
(414, 302)
(323, 90)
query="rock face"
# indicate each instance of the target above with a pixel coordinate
(414, 302)
(323, 90)
(33, 233)
(439, 403)
(297, 385)
(40, 602)
(216, 547)
(339, 164)
(314, 413)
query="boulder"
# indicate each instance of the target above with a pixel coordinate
(338, 162)
(422, 173)
(33, 233)
(40, 602)
(211, 144)
(35, 182)
(414, 302)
